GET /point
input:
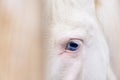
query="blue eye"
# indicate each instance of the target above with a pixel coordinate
(72, 46)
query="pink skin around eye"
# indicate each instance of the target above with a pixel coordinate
(77, 41)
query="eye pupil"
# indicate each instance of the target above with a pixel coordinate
(72, 46)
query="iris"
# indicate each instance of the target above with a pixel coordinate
(72, 46)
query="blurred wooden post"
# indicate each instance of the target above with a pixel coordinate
(20, 40)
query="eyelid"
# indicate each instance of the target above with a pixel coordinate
(65, 42)
(77, 39)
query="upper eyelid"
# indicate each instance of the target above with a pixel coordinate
(63, 44)
(77, 39)
(65, 41)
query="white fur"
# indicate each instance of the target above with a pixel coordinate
(71, 19)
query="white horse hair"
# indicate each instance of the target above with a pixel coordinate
(77, 19)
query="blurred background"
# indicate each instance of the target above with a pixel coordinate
(20, 49)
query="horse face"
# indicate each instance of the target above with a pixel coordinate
(78, 50)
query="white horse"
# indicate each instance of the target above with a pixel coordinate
(77, 47)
